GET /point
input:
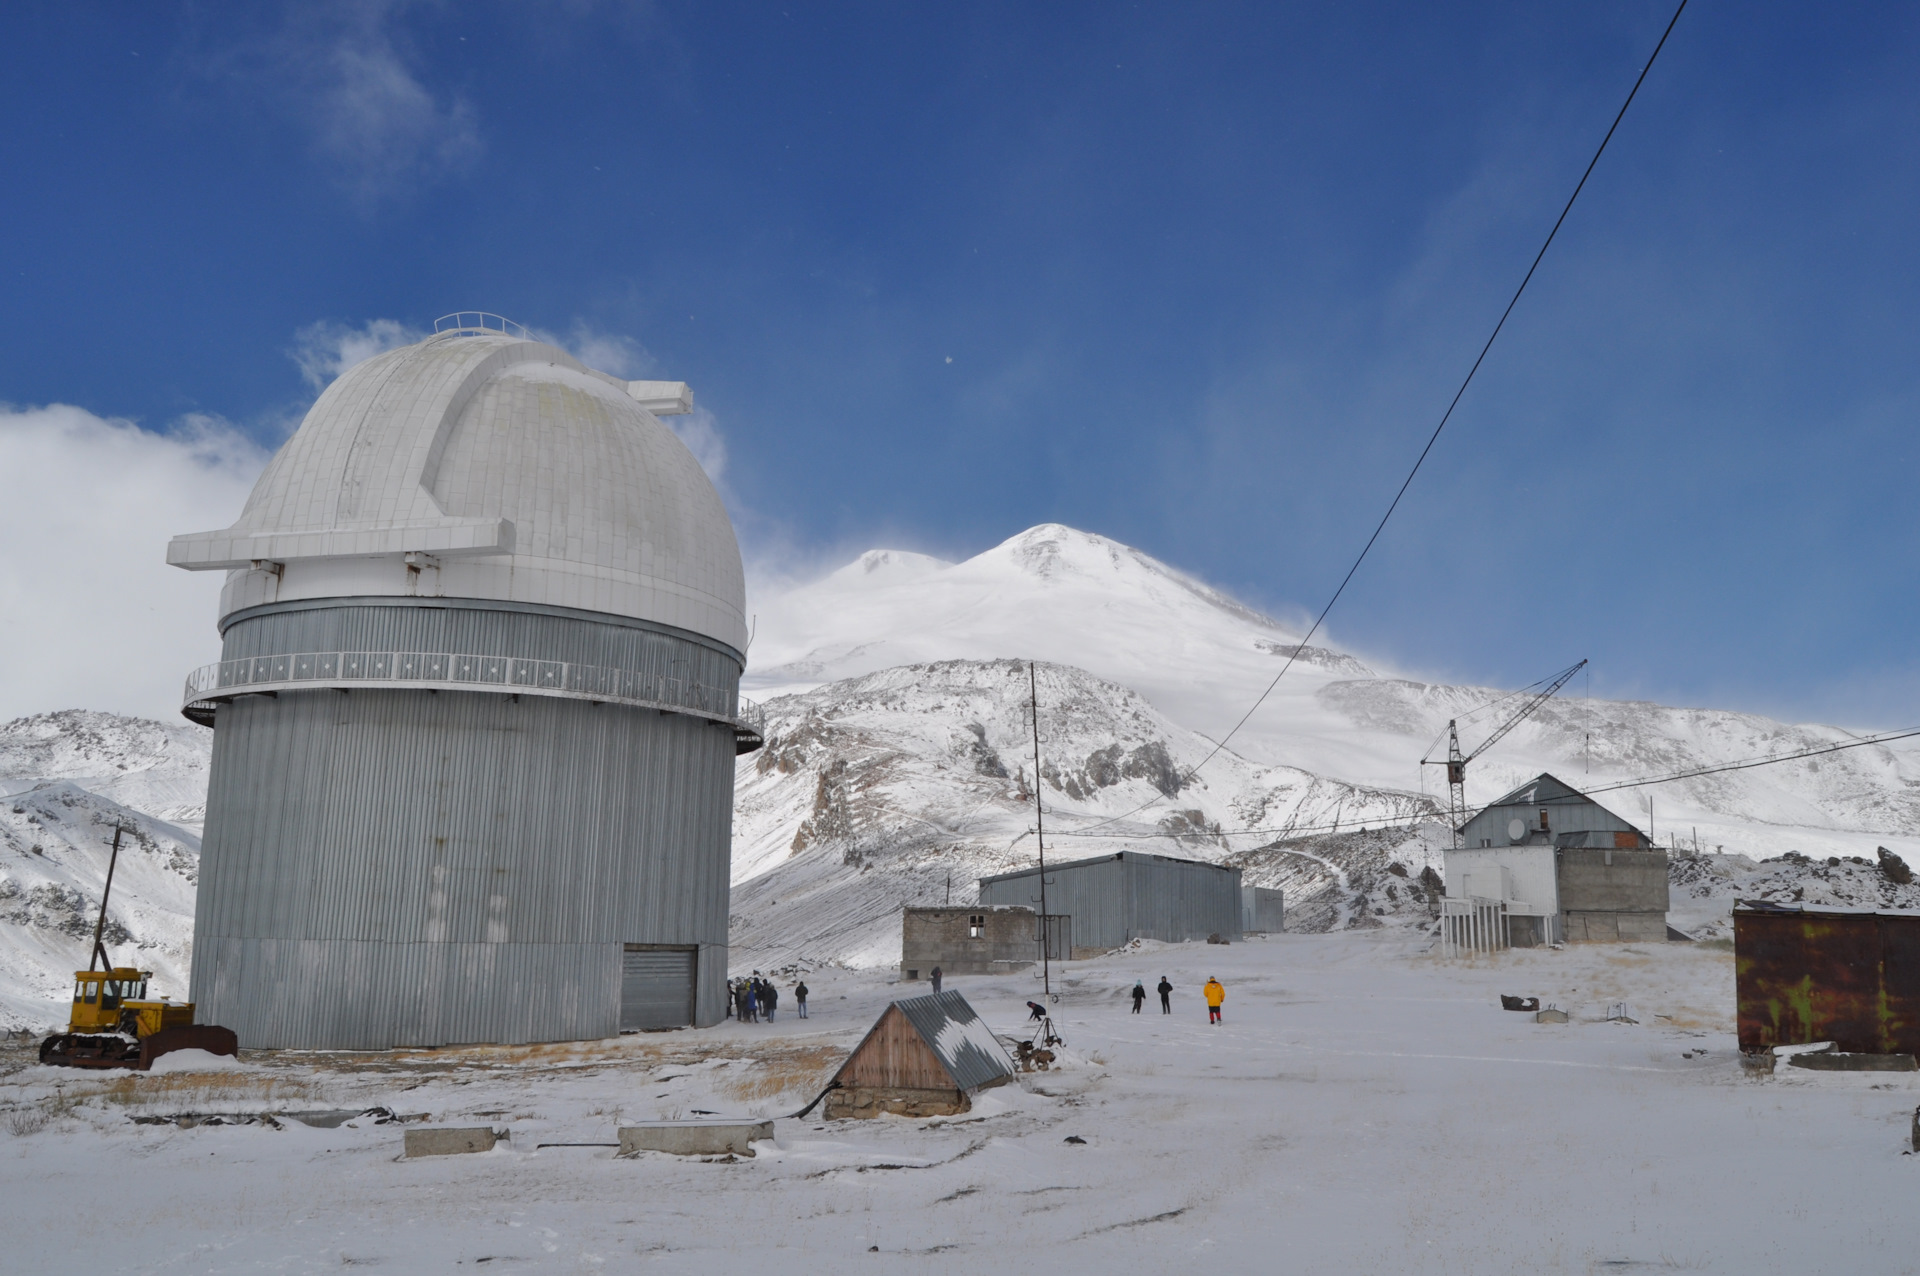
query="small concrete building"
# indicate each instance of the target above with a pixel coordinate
(1128, 895)
(1263, 911)
(977, 940)
(925, 1056)
(1560, 866)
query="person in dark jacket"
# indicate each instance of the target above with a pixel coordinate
(1166, 996)
(1039, 1011)
(936, 979)
(770, 995)
(1139, 996)
(800, 998)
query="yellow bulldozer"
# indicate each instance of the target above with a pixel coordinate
(112, 1023)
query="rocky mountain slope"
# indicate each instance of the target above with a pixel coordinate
(882, 789)
(1336, 742)
(66, 780)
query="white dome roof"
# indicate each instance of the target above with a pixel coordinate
(487, 466)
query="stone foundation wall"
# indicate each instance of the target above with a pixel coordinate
(873, 1101)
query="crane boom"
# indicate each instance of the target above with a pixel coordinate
(1527, 709)
(1456, 762)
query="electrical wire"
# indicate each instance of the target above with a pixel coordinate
(1746, 764)
(1446, 416)
(1882, 738)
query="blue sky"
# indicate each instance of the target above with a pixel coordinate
(1198, 277)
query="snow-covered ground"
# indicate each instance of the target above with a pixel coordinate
(1365, 1107)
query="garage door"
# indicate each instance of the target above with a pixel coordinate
(656, 987)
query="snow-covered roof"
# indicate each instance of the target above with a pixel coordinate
(487, 465)
(961, 1041)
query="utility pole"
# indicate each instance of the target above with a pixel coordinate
(99, 953)
(1039, 830)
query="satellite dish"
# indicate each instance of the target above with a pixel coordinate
(1516, 830)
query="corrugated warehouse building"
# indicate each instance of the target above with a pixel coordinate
(1111, 899)
(476, 713)
(1563, 866)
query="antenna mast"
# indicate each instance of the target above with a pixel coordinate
(1039, 831)
(99, 952)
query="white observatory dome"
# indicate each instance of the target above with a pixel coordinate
(481, 464)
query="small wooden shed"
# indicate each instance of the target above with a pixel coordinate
(925, 1056)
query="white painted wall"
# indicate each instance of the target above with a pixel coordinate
(1517, 874)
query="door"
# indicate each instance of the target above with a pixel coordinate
(656, 986)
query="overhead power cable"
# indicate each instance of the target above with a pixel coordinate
(1905, 733)
(1445, 416)
(1745, 764)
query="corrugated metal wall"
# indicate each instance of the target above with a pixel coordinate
(1130, 896)
(385, 868)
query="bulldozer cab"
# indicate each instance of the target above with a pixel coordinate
(99, 996)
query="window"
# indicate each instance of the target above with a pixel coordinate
(79, 991)
(976, 926)
(1543, 821)
(93, 991)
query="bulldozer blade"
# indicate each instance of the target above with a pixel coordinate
(200, 1036)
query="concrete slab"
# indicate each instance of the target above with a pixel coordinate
(1840, 1061)
(1550, 1015)
(451, 1140)
(694, 1138)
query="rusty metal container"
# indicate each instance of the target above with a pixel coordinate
(1805, 973)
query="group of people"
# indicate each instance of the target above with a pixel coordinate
(755, 998)
(1214, 992)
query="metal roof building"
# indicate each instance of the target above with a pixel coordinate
(1559, 866)
(1129, 895)
(476, 712)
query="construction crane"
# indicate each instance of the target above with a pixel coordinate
(1456, 761)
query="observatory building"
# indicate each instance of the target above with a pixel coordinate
(476, 714)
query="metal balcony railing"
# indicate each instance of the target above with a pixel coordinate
(258, 675)
(478, 321)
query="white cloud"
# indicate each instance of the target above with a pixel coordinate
(325, 349)
(608, 352)
(380, 126)
(345, 73)
(701, 433)
(90, 614)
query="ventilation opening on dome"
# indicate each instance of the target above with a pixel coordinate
(463, 323)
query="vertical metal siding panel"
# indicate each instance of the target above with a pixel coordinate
(608, 824)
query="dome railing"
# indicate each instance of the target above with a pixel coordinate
(514, 675)
(478, 322)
